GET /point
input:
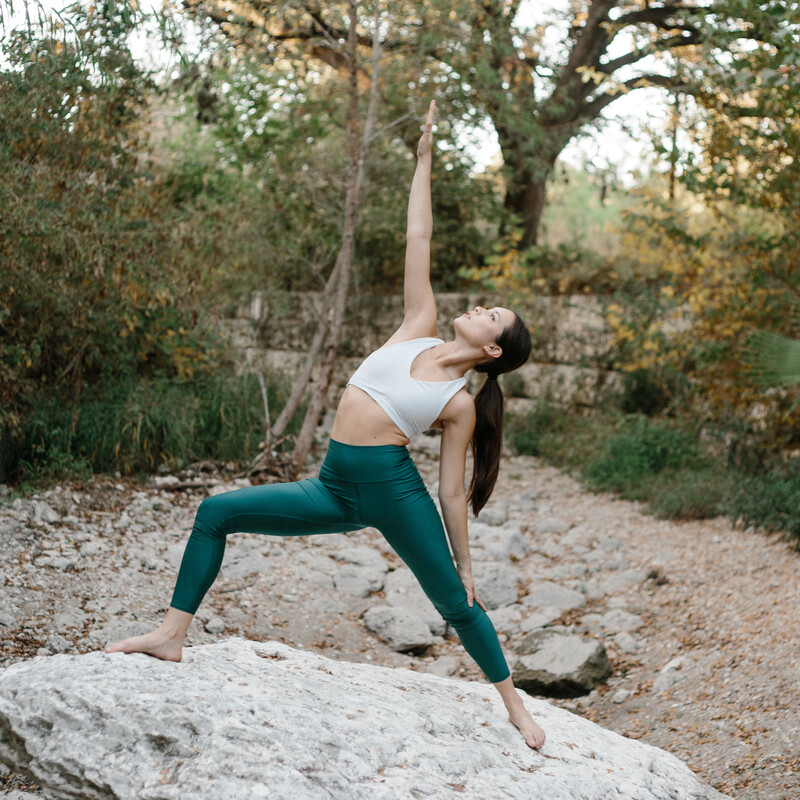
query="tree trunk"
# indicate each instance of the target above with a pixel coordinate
(527, 203)
(355, 181)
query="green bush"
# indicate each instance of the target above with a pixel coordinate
(526, 433)
(139, 425)
(771, 500)
(642, 449)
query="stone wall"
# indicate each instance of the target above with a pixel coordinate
(571, 356)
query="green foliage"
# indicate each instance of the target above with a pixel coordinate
(528, 433)
(139, 425)
(641, 449)
(97, 278)
(771, 500)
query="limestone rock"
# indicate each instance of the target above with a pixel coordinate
(403, 631)
(499, 542)
(358, 581)
(617, 621)
(403, 591)
(248, 720)
(495, 583)
(671, 673)
(553, 596)
(558, 664)
(494, 514)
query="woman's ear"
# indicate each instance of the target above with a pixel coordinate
(493, 350)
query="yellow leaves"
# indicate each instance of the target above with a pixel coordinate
(668, 291)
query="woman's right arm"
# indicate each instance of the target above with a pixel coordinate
(419, 304)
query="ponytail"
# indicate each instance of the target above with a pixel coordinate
(487, 439)
(487, 442)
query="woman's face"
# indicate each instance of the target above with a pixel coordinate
(482, 326)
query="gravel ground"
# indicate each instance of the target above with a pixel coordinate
(709, 672)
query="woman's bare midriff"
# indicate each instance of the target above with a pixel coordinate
(361, 421)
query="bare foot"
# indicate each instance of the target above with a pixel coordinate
(157, 643)
(534, 735)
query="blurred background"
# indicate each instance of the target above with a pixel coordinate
(625, 173)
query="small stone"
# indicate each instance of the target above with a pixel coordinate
(671, 674)
(558, 664)
(92, 548)
(551, 525)
(444, 666)
(621, 695)
(495, 514)
(505, 619)
(57, 644)
(215, 625)
(626, 642)
(402, 631)
(617, 621)
(536, 620)
(549, 595)
(358, 581)
(42, 512)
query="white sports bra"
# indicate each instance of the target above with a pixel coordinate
(412, 405)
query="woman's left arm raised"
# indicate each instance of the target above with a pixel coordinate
(458, 424)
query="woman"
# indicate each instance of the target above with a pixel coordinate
(412, 383)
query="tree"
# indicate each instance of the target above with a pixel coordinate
(486, 64)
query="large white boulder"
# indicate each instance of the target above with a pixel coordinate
(244, 720)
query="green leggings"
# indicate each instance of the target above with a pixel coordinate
(358, 486)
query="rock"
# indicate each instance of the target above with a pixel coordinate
(57, 644)
(61, 563)
(499, 542)
(403, 591)
(243, 563)
(550, 596)
(558, 664)
(494, 514)
(402, 631)
(621, 695)
(248, 720)
(551, 525)
(495, 583)
(616, 562)
(626, 642)
(42, 512)
(215, 625)
(358, 581)
(622, 581)
(443, 666)
(74, 618)
(617, 621)
(505, 619)
(92, 548)
(536, 620)
(362, 556)
(671, 673)
(550, 548)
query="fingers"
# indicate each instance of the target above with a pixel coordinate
(481, 603)
(431, 110)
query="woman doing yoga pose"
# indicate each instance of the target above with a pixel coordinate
(412, 383)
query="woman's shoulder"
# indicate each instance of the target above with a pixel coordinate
(460, 408)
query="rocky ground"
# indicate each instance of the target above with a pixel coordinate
(700, 621)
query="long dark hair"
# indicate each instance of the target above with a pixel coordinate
(487, 440)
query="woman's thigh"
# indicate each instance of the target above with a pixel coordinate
(414, 530)
(280, 509)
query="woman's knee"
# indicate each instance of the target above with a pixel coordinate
(210, 516)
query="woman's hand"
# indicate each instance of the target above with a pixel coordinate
(426, 142)
(466, 578)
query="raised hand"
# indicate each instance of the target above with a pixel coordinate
(426, 142)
